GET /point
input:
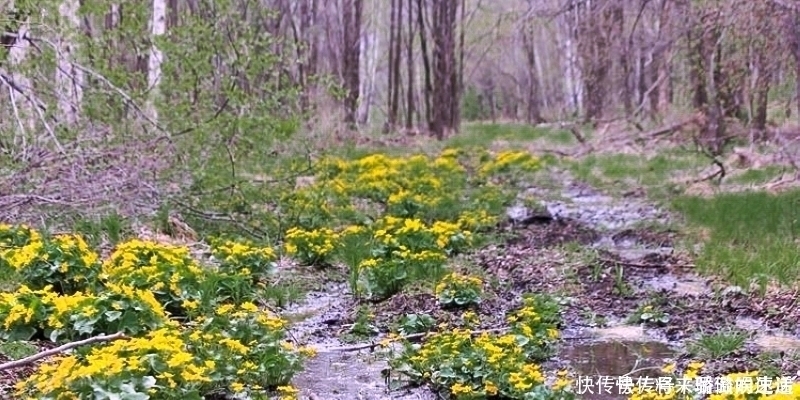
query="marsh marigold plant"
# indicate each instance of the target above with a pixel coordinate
(470, 365)
(168, 271)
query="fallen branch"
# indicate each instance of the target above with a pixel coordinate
(640, 265)
(60, 349)
(666, 130)
(415, 336)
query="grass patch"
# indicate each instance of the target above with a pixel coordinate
(718, 344)
(17, 349)
(757, 175)
(643, 170)
(620, 173)
(752, 236)
(483, 135)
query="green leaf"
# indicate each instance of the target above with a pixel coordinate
(21, 332)
(113, 315)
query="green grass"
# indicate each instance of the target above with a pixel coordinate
(757, 175)
(17, 349)
(717, 345)
(619, 173)
(480, 134)
(643, 170)
(752, 236)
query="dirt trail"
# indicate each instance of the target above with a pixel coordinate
(633, 266)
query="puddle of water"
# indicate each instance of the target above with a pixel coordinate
(632, 333)
(613, 359)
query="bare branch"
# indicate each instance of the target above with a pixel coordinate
(47, 353)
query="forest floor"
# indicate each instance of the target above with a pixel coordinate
(652, 257)
(619, 256)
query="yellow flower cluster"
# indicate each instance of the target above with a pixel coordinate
(161, 354)
(131, 292)
(486, 364)
(506, 159)
(455, 281)
(149, 259)
(65, 261)
(165, 269)
(233, 252)
(79, 314)
(310, 246)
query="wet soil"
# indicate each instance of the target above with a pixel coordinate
(624, 262)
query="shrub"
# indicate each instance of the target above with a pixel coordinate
(156, 366)
(168, 271)
(238, 257)
(456, 290)
(742, 385)
(65, 261)
(312, 247)
(70, 317)
(469, 366)
(247, 345)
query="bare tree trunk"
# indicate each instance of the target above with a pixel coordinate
(426, 64)
(458, 75)
(396, 25)
(23, 103)
(533, 114)
(574, 74)
(69, 79)
(594, 47)
(445, 91)
(352, 37)
(158, 27)
(394, 36)
(792, 27)
(410, 107)
(369, 58)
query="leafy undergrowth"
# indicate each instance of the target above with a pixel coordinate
(463, 363)
(193, 330)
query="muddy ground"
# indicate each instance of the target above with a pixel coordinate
(605, 257)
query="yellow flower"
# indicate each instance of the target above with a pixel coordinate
(237, 387)
(669, 368)
(459, 388)
(490, 388)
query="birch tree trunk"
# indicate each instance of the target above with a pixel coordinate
(368, 67)
(573, 89)
(158, 27)
(22, 99)
(69, 79)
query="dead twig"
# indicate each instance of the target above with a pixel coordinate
(416, 336)
(60, 349)
(640, 265)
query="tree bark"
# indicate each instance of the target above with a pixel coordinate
(158, 26)
(352, 12)
(69, 80)
(445, 84)
(410, 106)
(426, 63)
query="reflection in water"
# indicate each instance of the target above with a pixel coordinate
(613, 359)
